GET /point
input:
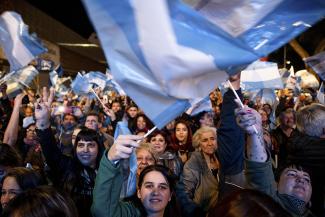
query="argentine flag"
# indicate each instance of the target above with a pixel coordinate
(19, 46)
(165, 53)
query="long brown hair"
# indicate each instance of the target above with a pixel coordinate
(175, 143)
(39, 202)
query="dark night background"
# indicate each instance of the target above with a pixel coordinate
(74, 16)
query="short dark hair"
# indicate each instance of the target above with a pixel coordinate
(289, 164)
(159, 132)
(70, 114)
(88, 135)
(93, 113)
(248, 203)
(39, 202)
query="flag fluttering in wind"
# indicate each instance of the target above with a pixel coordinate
(19, 46)
(20, 79)
(317, 63)
(261, 75)
(80, 85)
(200, 105)
(96, 78)
(111, 83)
(165, 53)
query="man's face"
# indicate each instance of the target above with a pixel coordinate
(92, 122)
(87, 152)
(288, 120)
(116, 107)
(295, 183)
(69, 119)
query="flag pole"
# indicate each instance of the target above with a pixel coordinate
(241, 104)
(148, 133)
(101, 102)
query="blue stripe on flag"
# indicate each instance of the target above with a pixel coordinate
(20, 47)
(164, 53)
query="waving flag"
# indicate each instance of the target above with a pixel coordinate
(130, 188)
(20, 47)
(165, 53)
(111, 83)
(96, 78)
(317, 63)
(260, 75)
(81, 85)
(200, 105)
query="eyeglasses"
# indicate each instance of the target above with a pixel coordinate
(31, 130)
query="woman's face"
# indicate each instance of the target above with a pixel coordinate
(263, 115)
(141, 123)
(208, 143)
(31, 132)
(133, 111)
(144, 159)
(154, 193)
(10, 189)
(181, 132)
(158, 144)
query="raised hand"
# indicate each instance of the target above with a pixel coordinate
(247, 117)
(110, 113)
(48, 96)
(19, 99)
(42, 109)
(123, 147)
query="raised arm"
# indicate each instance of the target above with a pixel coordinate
(55, 159)
(247, 119)
(230, 137)
(11, 133)
(106, 194)
(258, 166)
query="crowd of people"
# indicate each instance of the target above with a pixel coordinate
(62, 156)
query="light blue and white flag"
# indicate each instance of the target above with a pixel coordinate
(165, 53)
(130, 188)
(81, 85)
(20, 79)
(97, 79)
(200, 105)
(111, 83)
(321, 94)
(19, 46)
(317, 63)
(261, 75)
